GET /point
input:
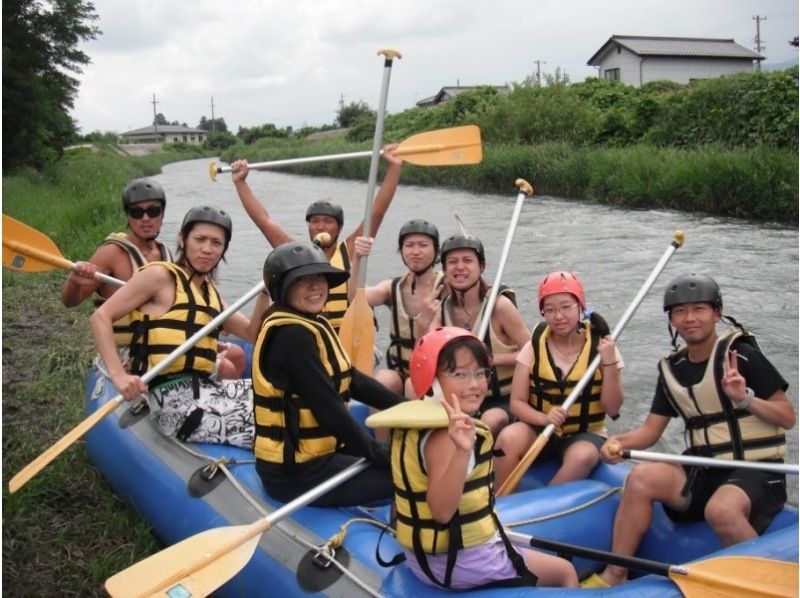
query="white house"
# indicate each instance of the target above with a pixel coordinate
(635, 60)
(164, 134)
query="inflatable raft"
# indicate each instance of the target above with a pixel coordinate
(182, 490)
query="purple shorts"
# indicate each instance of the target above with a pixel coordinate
(474, 566)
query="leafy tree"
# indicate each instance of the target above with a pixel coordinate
(220, 140)
(160, 119)
(353, 112)
(40, 51)
(217, 125)
(252, 134)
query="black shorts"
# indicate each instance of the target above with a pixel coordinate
(557, 446)
(492, 403)
(766, 491)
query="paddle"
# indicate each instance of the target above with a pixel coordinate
(703, 461)
(59, 447)
(200, 564)
(25, 249)
(733, 576)
(516, 475)
(525, 189)
(442, 147)
(357, 332)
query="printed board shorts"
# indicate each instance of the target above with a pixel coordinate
(196, 409)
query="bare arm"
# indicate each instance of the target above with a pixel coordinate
(244, 327)
(520, 393)
(775, 409)
(107, 259)
(611, 394)
(270, 228)
(149, 287)
(511, 326)
(383, 198)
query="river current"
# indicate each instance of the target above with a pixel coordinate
(611, 250)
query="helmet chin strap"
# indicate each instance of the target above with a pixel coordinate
(418, 274)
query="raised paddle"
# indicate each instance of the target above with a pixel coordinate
(703, 461)
(357, 331)
(25, 249)
(516, 475)
(525, 189)
(200, 564)
(442, 147)
(59, 447)
(732, 576)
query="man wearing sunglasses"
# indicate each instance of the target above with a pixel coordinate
(121, 254)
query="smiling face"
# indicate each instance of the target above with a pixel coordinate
(146, 227)
(204, 246)
(561, 311)
(695, 322)
(462, 269)
(308, 294)
(418, 252)
(465, 378)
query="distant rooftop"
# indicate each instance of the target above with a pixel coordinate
(163, 129)
(677, 46)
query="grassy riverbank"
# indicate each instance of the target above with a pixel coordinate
(759, 183)
(65, 531)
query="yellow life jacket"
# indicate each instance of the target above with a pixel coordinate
(337, 302)
(502, 375)
(154, 338)
(122, 327)
(286, 430)
(714, 427)
(417, 530)
(549, 388)
(404, 330)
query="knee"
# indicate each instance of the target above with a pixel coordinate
(583, 457)
(721, 516)
(639, 481)
(511, 439)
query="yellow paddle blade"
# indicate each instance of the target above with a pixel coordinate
(737, 576)
(194, 567)
(28, 250)
(357, 333)
(411, 414)
(443, 147)
(512, 481)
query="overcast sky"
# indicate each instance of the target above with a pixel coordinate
(288, 62)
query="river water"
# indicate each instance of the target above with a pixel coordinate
(611, 250)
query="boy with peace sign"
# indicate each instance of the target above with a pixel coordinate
(734, 405)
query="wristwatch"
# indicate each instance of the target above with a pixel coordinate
(749, 395)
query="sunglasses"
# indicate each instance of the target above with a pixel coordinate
(138, 213)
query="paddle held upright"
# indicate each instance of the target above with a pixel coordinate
(516, 475)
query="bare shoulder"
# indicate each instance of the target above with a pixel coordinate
(114, 260)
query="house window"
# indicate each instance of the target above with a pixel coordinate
(184, 137)
(611, 74)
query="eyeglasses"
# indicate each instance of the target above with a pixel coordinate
(138, 213)
(462, 376)
(551, 311)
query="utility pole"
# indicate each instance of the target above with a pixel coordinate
(539, 64)
(213, 124)
(155, 120)
(759, 45)
(341, 102)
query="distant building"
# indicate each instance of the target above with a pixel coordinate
(448, 93)
(164, 134)
(636, 60)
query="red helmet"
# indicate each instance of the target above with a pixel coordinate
(561, 282)
(426, 355)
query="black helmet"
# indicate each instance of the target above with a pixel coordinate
(420, 227)
(142, 190)
(212, 216)
(326, 208)
(692, 288)
(290, 261)
(463, 242)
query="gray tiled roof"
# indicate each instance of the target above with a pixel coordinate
(678, 46)
(164, 129)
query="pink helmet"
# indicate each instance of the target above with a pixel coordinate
(423, 361)
(561, 282)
